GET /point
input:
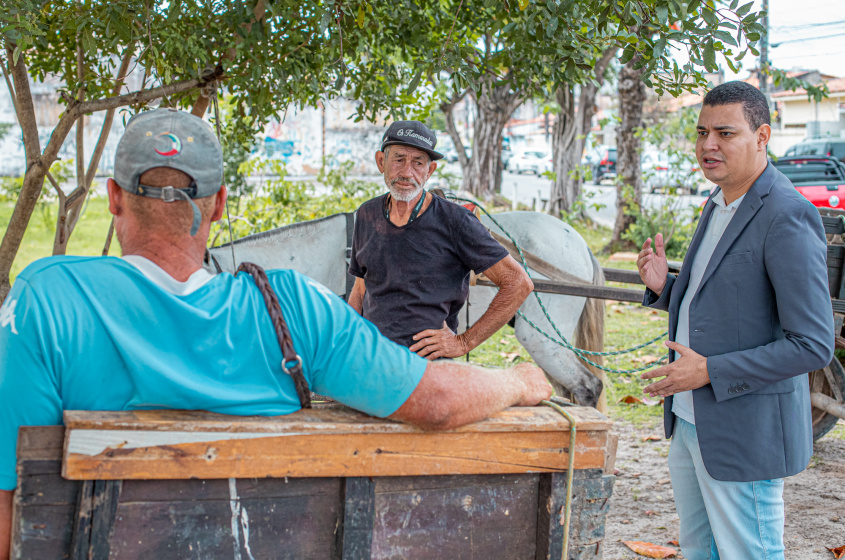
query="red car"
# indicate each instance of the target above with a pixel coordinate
(820, 179)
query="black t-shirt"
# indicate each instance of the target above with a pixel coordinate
(417, 275)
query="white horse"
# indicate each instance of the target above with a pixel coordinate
(320, 249)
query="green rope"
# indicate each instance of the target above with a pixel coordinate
(580, 352)
(570, 471)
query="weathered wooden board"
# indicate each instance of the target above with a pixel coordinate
(467, 516)
(322, 443)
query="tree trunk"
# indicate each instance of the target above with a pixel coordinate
(569, 137)
(37, 166)
(495, 103)
(629, 185)
(38, 163)
(70, 208)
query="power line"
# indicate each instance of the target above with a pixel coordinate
(779, 43)
(808, 25)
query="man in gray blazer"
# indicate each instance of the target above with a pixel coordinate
(749, 316)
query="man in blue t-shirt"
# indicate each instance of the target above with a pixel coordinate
(155, 330)
(412, 253)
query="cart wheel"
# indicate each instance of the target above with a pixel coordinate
(823, 422)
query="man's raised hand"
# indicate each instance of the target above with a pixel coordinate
(653, 265)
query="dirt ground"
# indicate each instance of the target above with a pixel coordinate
(642, 507)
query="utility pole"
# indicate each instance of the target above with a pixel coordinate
(764, 57)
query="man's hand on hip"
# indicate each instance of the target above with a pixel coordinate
(653, 265)
(687, 372)
(439, 343)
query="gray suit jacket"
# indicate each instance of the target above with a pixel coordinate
(762, 317)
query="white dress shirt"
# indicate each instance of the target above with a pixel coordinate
(720, 218)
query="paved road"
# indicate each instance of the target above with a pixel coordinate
(528, 189)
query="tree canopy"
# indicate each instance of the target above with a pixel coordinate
(398, 57)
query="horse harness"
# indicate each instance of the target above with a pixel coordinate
(289, 355)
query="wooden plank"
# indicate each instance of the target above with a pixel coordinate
(106, 498)
(833, 225)
(329, 420)
(44, 503)
(591, 494)
(224, 524)
(622, 275)
(455, 517)
(317, 455)
(322, 443)
(355, 530)
(838, 305)
(829, 405)
(581, 290)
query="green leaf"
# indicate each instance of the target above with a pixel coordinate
(662, 14)
(412, 87)
(711, 18)
(734, 4)
(744, 9)
(325, 21)
(551, 26)
(361, 15)
(725, 37)
(627, 55)
(710, 56)
(753, 37)
(659, 46)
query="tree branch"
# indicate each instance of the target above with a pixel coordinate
(447, 108)
(80, 123)
(25, 107)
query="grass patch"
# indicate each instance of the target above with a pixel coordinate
(88, 238)
(838, 431)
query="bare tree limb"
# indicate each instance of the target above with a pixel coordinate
(448, 108)
(25, 106)
(80, 123)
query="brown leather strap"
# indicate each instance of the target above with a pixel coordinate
(289, 355)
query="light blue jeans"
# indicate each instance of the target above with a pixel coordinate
(722, 520)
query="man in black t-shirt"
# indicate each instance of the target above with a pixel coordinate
(412, 253)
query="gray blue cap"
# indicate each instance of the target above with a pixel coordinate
(411, 133)
(175, 139)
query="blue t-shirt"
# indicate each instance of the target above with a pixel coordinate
(94, 333)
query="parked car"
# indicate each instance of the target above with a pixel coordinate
(819, 147)
(531, 160)
(604, 163)
(507, 154)
(450, 154)
(821, 179)
(664, 172)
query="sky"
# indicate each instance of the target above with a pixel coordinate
(807, 34)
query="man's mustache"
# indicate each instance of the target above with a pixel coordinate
(411, 180)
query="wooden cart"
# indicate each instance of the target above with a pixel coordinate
(322, 483)
(827, 386)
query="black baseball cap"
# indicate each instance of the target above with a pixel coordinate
(411, 133)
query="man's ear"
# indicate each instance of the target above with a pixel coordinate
(380, 161)
(764, 134)
(219, 204)
(115, 197)
(431, 167)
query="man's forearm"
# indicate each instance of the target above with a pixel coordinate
(502, 308)
(451, 394)
(356, 296)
